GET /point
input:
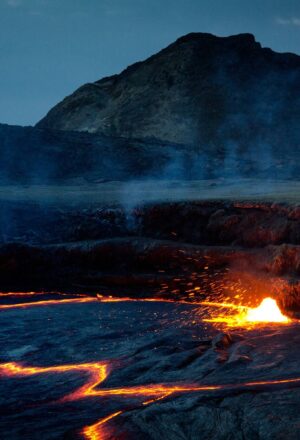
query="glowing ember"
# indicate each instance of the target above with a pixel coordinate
(267, 311)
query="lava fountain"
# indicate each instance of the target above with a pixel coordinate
(267, 312)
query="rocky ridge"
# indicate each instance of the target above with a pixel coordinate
(225, 96)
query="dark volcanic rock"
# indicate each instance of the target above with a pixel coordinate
(227, 96)
(142, 266)
(159, 248)
(31, 155)
(266, 411)
(37, 156)
(208, 223)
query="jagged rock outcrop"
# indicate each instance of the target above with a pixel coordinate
(227, 95)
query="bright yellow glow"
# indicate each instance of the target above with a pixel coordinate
(267, 311)
(248, 317)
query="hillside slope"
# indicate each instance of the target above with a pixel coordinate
(31, 155)
(225, 95)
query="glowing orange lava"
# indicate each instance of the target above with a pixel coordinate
(267, 312)
(49, 302)
(8, 294)
(97, 430)
(98, 372)
(88, 299)
(80, 299)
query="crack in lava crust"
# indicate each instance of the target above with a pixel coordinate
(99, 371)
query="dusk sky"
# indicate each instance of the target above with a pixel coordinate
(50, 47)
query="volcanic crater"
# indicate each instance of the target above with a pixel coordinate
(147, 308)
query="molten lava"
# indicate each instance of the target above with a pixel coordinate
(267, 311)
(48, 302)
(98, 372)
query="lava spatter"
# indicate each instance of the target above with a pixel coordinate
(267, 312)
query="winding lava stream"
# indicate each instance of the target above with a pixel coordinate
(98, 372)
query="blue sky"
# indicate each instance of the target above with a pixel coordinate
(50, 47)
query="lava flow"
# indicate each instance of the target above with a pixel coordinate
(49, 302)
(242, 316)
(98, 372)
